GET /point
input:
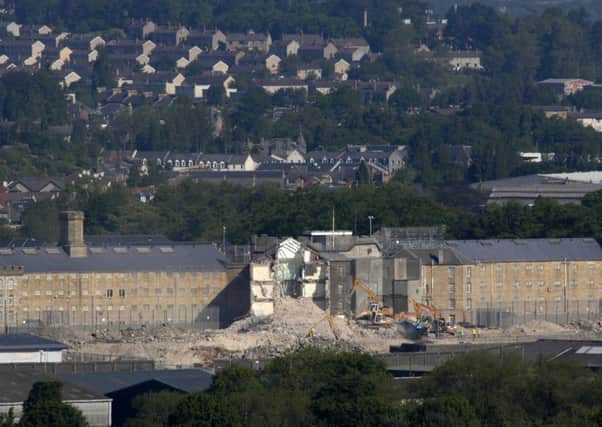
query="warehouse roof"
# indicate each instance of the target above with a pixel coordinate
(114, 259)
(15, 387)
(27, 342)
(186, 380)
(524, 250)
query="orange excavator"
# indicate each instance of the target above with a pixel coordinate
(330, 319)
(378, 314)
(426, 315)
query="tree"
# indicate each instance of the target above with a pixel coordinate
(44, 407)
(153, 409)
(205, 410)
(443, 411)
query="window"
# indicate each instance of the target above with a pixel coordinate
(170, 291)
(451, 272)
(145, 292)
(557, 266)
(11, 284)
(158, 307)
(205, 292)
(540, 283)
(452, 304)
(469, 288)
(146, 307)
(529, 268)
(452, 288)
(469, 304)
(529, 284)
(121, 293)
(540, 268)
(157, 291)
(194, 291)
(469, 272)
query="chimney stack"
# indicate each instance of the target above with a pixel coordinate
(72, 233)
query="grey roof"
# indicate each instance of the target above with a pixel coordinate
(15, 387)
(28, 343)
(174, 257)
(525, 250)
(186, 380)
(127, 240)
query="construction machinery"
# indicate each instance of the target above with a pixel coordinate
(378, 314)
(330, 319)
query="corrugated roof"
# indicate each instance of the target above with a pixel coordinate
(186, 380)
(525, 250)
(116, 259)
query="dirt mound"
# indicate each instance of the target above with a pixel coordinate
(537, 327)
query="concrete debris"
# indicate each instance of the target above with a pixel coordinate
(265, 337)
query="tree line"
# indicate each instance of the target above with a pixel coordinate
(311, 387)
(199, 211)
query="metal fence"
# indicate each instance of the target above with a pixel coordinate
(505, 315)
(183, 316)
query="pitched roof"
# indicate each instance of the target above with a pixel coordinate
(17, 384)
(175, 257)
(525, 250)
(186, 380)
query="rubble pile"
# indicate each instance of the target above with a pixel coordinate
(265, 337)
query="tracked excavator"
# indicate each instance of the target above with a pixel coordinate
(330, 319)
(378, 313)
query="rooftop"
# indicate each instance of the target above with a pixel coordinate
(185, 380)
(28, 343)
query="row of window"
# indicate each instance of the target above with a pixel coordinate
(109, 293)
(529, 283)
(144, 307)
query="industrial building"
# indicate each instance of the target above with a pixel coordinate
(17, 384)
(92, 281)
(482, 282)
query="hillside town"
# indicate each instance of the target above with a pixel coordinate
(300, 213)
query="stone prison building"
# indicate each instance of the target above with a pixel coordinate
(96, 280)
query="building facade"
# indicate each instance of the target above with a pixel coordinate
(552, 279)
(121, 280)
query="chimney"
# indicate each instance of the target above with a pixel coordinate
(72, 233)
(365, 18)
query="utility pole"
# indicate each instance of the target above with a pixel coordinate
(370, 218)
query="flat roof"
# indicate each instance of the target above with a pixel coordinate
(28, 343)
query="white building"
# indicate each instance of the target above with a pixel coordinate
(26, 348)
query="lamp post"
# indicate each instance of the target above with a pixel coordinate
(370, 218)
(224, 241)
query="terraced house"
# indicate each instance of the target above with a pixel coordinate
(97, 281)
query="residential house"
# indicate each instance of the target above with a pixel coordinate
(590, 119)
(341, 68)
(197, 87)
(227, 162)
(273, 86)
(14, 29)
(249, 41)
(565, 87)
(461, 60)
(272, 64)
(309, 72)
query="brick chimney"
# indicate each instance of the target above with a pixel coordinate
(72, 233)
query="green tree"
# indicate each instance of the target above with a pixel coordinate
(44, 407)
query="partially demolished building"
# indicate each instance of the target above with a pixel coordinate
(323, 266)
